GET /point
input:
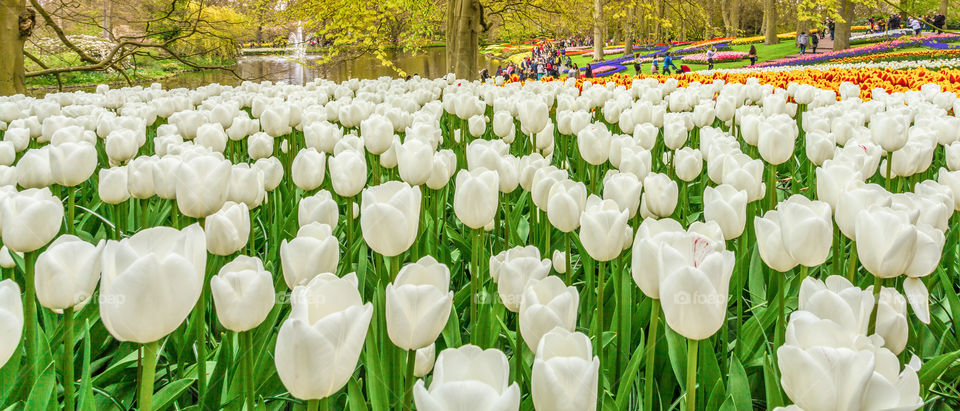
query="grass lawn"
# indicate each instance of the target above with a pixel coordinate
(144, 69)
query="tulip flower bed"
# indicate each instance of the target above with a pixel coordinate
(718, 57)
(715, 241)
(859, 51)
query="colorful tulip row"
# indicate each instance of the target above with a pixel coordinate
(441, 244)
(859, 51)
(717, 57)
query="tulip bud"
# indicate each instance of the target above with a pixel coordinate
(112, 185)
(694, 288)
(777, 139)
(72, 163)
(660, 195)
(886, 241)
(594, 143)
(243, 293)
(202, 184)
(348, 172)
(418, 304)
(11, 320)
(6, 259)
(312, 252)
(889, 131)
(377, 133)
(533, 115)
(547, 304)
(121, 145)
(559, 262)
(602, 224)
(322, 136)
(443, 166)
(503, 124)
(688, 163)
(228, 229)
(272, 171)
(468, 378)
(307, 169)
(425, 359)
(821, 147)
(807, 229)
(67, 273)
(151, 281)
(325, 330)
(565, 372)
(33, 169)
(744, 173)
(415, 160)
(565, 202)
(770, 242)
(513, 270)
(31, 218)
(259, 145)
(477, 125)
(476, 197)
(318, 208)
(727, 206)
(624, 189)
(390, 217)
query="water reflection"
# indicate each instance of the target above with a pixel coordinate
(430, 63)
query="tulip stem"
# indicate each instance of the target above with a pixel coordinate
(601, 265)
(877, 285)
(889, 168)
(313, 405)
(71, 209)
(781, 309)
(68, 380)
(852, 262)
(30, 314)
(566, 259)
(408, 379)
(246, 344)
(474, 287)
(147, 376)
(518, 352)
(144, 205)
(692, 375)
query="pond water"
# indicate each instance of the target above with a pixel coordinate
(429, 63)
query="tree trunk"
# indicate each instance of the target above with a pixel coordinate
(944, 7)
(451, 33)
(597, 30)
(734, 29)
(467, 41)
(107, 26)
(628, 29)
(11, 48)
(770, 22)
(661, 11)
(842, 35)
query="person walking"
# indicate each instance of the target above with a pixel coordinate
(802, 41)
(711, 53)
(668, 63)
(814, 42)
(637, 66)
(588, 72)
(833, 28)
(654, 68)
(752, 55)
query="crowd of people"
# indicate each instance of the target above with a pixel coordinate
(934, 22)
